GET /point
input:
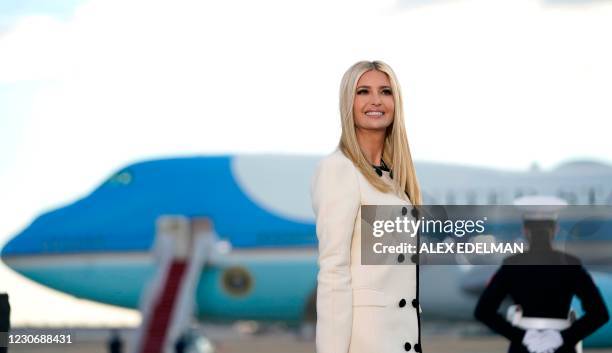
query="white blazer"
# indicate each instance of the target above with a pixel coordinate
(360, 308)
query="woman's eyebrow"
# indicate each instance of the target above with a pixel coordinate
(382, 87)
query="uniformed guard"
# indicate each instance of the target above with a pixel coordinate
(5, 321)
(115, 344)
(542, 283)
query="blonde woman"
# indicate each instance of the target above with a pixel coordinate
(360, 308)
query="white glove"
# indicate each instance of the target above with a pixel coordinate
(542, 341)
(551, 340)
(531, 340)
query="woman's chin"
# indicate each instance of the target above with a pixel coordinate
(374, 127)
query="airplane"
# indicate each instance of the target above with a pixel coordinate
(98, 247)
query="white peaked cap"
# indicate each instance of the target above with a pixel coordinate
(540, 208)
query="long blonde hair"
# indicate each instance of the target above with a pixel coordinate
(396, 151)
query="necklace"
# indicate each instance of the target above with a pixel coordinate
(382, 167)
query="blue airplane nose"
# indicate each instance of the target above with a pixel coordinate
(81, 227)
(9, 248)
(34, 239)
(6, 249)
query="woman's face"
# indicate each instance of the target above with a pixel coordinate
(374, 107)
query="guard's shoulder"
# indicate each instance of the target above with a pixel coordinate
(568, 259)
(515, 259)
(549, 258)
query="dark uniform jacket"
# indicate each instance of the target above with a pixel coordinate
(542, 291)
(5, 321)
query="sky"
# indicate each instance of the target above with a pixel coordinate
(89, 86)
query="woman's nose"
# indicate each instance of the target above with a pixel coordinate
(376, 99)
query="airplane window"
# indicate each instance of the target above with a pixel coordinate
(122, 178)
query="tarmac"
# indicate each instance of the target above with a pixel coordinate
(242, 339)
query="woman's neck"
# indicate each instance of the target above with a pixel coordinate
(371, 143)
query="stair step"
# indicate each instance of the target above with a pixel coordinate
(156, 330)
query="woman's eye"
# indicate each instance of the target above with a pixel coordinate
(387, 92)
(362, 91)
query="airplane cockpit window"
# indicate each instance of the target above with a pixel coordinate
(123, 177)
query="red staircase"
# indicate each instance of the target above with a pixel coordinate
(157, 325)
